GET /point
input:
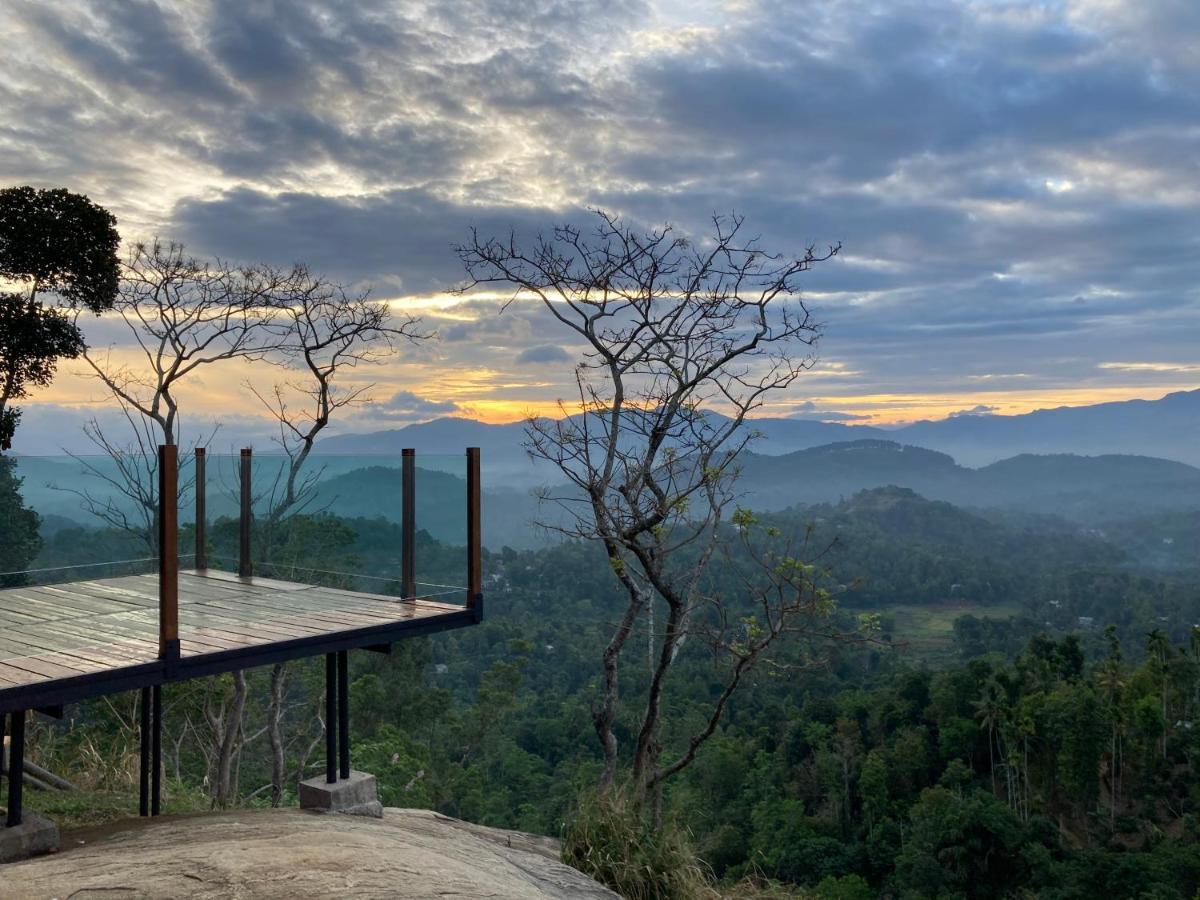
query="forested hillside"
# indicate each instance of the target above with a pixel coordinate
(984, 739)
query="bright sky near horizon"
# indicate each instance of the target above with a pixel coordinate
(1016, 184)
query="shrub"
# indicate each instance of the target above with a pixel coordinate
(616, 842)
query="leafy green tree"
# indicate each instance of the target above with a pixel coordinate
(961, 847)
(53, 243)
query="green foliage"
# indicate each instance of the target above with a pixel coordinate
(961, 846)
(56, 242)
(59, 242)
(848, 887)
(1029, 761)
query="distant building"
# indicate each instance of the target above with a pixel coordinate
(1086, 621)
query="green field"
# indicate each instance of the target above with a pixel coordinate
(927, 630)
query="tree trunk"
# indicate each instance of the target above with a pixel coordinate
(275, 732)
(231, 728)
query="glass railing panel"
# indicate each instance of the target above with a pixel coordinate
(327, 541)
(78, 561)
(441, 527)
(185, 510)
(68, 518)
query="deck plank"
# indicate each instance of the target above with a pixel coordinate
(51, 632)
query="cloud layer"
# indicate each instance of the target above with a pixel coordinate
(1015, 183)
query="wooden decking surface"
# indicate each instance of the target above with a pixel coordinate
(60, 631)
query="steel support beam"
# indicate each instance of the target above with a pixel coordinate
(144, 756)
(343, 673)
(331, 715)
(156, 750)
(16, 766)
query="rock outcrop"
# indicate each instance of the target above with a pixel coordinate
(287, 853)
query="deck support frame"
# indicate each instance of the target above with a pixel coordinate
(149, 677)
(16, 766)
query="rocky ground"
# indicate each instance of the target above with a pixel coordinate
(286, 853)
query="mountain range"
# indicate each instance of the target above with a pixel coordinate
(1167, 428)
(1085, 489)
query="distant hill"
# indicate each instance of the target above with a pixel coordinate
(897, 546)
(503, 446)
(1090, 490)
(1082, 488)
(1168, 428)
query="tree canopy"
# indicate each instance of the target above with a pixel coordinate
(52, 242)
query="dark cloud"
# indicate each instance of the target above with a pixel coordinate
(810, 411)
(407, 406)
(1011, 181)
(544, 354)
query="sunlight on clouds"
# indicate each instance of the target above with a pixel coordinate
(900, 408)
(1150, 367)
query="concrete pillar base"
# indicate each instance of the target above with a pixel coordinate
(353, 796)
(33, 837)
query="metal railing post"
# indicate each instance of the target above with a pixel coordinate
(168, 552)
(245, 566)
(201, 561)
(474, 536)
(408, 525)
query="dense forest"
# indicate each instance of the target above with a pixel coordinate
(1019, 722)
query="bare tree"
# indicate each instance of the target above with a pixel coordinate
(186, 315)
(328, 332)
(183, 314)
(681, 342)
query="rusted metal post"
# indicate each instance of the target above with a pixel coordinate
(408, 525)
(168, 552)
(474, 536)
(201, 561)
(245, 566)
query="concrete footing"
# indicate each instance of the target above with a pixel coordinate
(353, 796)
(32, 837)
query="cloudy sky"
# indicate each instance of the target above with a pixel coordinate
(1016, 184)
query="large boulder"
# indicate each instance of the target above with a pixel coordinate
(287, 853)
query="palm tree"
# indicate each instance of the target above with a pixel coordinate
(1112, 684)
(990, 710)
(1159, 649)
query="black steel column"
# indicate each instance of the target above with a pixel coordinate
(331, 716)
(343, 667)
(144, 771)
(156, 751)
(16, 765)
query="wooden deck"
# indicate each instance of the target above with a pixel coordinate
(79, 632)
